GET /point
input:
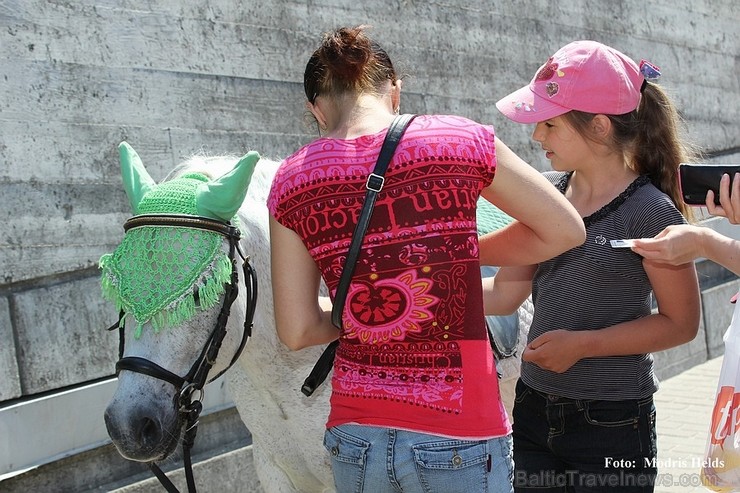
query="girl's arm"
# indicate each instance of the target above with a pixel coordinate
(507, 290)
(302, 318)
(676, 290)
(546, 223)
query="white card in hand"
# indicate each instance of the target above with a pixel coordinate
(622, 243)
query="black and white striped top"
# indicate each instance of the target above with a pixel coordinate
(595, 286)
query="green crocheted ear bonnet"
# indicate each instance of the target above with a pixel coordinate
(490, 217)
(156, 271)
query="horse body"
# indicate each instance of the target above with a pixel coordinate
(287, 427)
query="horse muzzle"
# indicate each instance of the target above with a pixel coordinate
(144, 432)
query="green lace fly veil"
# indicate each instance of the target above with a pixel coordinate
(155, 271)
(489, 217)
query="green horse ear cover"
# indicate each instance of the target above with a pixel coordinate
(222, 197)
(136, 179)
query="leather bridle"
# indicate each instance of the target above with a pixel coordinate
(197, 376)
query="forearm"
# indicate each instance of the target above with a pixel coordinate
(504, 293)
(649, 334)
(558, 350)
(518, 245)
(721, 249)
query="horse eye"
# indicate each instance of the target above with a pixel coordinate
(196, 297)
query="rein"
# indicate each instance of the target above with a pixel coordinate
(197, 377)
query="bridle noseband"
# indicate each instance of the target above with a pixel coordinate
(197, 376)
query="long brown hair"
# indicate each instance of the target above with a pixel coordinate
(650, 137)
(347, 61)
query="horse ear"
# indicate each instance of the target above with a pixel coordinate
(136, 179)
(222, 197)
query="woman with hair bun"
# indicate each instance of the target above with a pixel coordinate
(415, 404)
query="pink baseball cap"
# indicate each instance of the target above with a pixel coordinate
(583, 75)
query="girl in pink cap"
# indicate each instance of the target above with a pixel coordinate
(584, 418)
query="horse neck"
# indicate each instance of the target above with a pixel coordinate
(255, 243)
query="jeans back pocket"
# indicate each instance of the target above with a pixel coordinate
(452, 465)
(348, 459)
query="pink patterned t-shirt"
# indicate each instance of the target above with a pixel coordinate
(413, 351)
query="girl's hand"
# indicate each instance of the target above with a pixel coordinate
(556, 350)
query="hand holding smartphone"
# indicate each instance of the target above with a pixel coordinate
(696, 180)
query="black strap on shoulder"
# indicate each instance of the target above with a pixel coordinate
(374, 185)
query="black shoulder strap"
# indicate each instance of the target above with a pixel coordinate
(374, 185)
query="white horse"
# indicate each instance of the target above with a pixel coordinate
(287, 428)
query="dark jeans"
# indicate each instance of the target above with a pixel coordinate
(565, 445)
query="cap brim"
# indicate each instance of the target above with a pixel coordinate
(524, 106)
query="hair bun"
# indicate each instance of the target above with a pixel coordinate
(346, 52)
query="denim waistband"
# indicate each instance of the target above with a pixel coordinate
(558, 399)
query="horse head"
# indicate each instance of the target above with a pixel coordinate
(173, 278)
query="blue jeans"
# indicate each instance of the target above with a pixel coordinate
(565, 445)
(371, 459)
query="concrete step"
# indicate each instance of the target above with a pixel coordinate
(230, 472)
(222, 461)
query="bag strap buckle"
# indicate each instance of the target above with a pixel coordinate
(375, 182)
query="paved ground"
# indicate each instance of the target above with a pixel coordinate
(684, 405)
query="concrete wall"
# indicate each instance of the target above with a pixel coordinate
(224, 76)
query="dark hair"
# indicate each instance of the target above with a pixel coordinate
(650, 137)
(347, 61)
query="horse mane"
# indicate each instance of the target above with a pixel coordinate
(214, 166)
(211, 166)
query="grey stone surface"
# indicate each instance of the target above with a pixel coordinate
(716, 316)
(675, 360)
(231, 472)
(717, 313)
(60, 244)
(10, 387)
(175, 78)
(62, 337)
(684, 405)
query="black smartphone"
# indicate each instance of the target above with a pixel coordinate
(696, 179)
